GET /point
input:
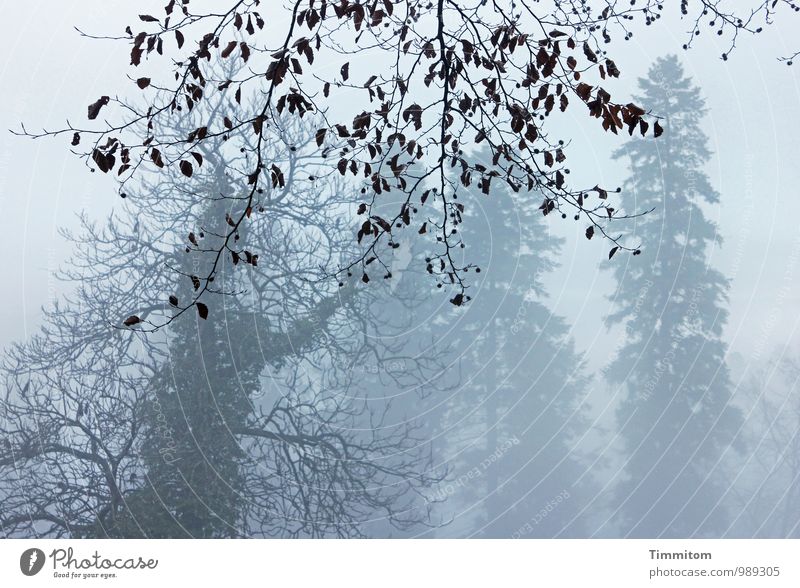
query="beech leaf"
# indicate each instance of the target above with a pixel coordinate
(94, 109)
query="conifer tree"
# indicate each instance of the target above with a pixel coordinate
(674, 416)
(512, 426)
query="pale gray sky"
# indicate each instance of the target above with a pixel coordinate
(49, 73)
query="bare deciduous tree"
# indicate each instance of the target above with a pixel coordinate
(248, 425)
(390, 82)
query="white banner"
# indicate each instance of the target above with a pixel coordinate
(401, 563)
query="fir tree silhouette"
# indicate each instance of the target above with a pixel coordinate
(515, 420)
(674, 416)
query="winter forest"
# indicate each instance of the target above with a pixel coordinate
(398, 269)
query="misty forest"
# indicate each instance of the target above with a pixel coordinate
(401, 268)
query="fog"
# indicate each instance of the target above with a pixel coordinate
(651, 395)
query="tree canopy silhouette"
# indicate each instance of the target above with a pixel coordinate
(193, 432)
(678, 419)
(388, 82)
